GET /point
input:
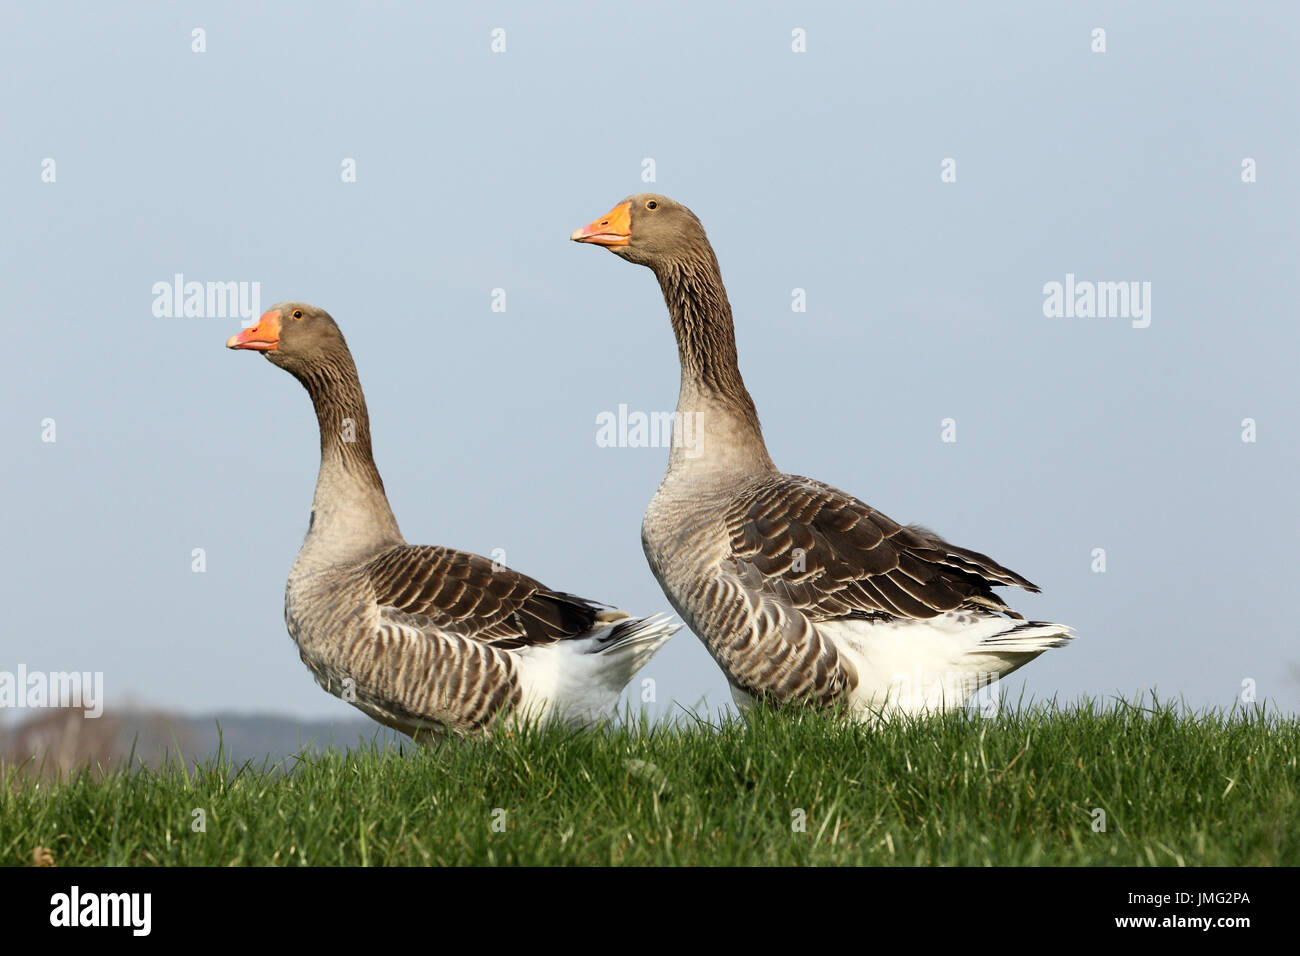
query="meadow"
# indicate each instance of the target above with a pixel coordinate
(1119, 783)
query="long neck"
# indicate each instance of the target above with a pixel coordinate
(716, 426)
(350, 515)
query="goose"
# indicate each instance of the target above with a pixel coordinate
(800, 591)
(429, 641)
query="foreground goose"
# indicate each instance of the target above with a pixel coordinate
(426, 640)
(799, 591)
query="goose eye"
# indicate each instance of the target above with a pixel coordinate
(297, 313)
(652, 205)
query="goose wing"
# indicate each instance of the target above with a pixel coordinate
(469, 596)
(829, 555)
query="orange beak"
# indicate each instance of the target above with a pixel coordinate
(263, 337)
(612, 229)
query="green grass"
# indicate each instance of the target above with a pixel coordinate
(1176, 788)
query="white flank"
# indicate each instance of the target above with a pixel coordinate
(580, 680)
(927, 666)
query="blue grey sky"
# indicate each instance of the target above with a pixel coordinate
(819, 170)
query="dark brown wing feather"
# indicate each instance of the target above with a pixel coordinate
(462, 594)
(831, 556)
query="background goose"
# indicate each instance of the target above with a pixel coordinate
(426, 640)
(798, 590)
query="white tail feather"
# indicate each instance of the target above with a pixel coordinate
(580, 681)
(917, 666)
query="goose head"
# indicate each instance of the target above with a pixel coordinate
(292, 335)
(648, 229)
